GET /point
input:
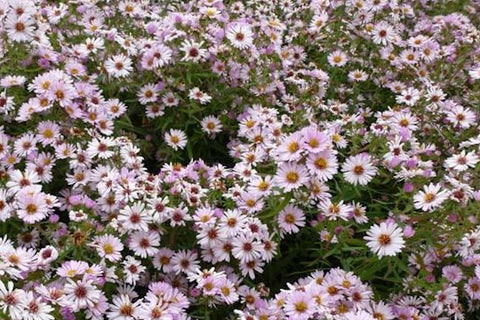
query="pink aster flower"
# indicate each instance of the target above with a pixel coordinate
(291, 176)
(359, 169)
(290, 219)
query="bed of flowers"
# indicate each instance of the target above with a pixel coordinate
(252, 160)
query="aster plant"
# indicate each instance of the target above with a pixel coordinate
(252, 160)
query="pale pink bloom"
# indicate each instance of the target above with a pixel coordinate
(211, 125)
(134, 217)
(184, 261)
(48, 132)
(359, 169)
(80, 294)
(119, 66)
(245, 248)
(475, 73)
(299, 305)
(109, 247)
(385, 239)
(32, 206)
(462, 161)
(37, 308)
(199, 95)
(240, 35)
(430, 197)
(144, 244)
(383, 33)
(337, 58)
(123, 308)
(323, 165)
(334, 210)
(176, 139)
(460, 116)
(193, 51)
(290, 219)
(19, 28)
(291, 176)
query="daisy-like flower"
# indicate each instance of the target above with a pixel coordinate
(462, 161)
(359, 169)
(47, 255)
(472, 287)
(211, 125)
(162, 55)
(230, 223)
(25, 145)
(358, 315)
(48, 132)
(147, 94)
(176, 139)
(322, 165)
(144, 244)
(80, 294)
(460, 116)
(193, 51)
(357, 75)
(430, 197)
(185, 261)
(119, 66)
(445, 297)
(6, 103)
(260, 184)
(100, 148)
(109, 247)
(12, 81)
(381, 310)
(290, 149)
(10, 300)
(132, 269)
(21, 180)
(32, 206)
(333, 210)
(318, 21)
(452, 273)
(475, 73)
(409, 96)
(115, 108)
(154, 110)
(409, 57)
(169, 99)
(200, 96)
(315, 140)
(228, 292)
(385, 239)
(358, 213)
(123, 308)
(163, 260)
(72, 268)
(290, 219)
(337, 58)
(210, 12)
(245, 248)
(249, 267)
(92, 45)
(135, 217)
(383, 33)
(35, 308)
(299, 305)
(19, 28)
(291, 176)
(240, 35)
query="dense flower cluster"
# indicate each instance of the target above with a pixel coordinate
(249, 160)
